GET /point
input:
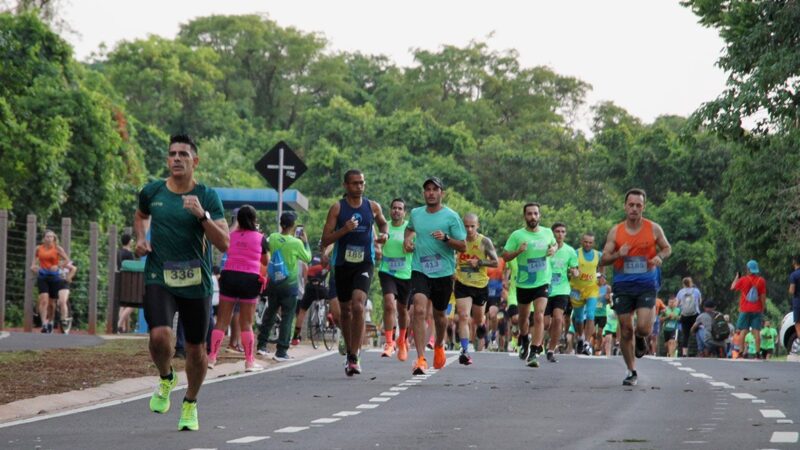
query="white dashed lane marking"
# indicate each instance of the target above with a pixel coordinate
(247, 439)
(700, 375)
(379, 399)
(390, 394)
(785, 421)
(784, 437)
(367, 406)
(291, 429)
(772, 414)
(743, 396)
(347, 413)
(686, 369)
(326, 420)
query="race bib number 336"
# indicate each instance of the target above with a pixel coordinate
(183, 273)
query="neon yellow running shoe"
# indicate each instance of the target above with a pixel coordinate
(159, 402)
(188, 417)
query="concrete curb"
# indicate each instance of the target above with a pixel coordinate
(53, 404)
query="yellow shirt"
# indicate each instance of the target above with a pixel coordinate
(465, 273)
(586, 282)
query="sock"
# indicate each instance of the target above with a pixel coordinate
(247, 343)
(464, 344)
(402, 336)
(389, 336)
(494, 335)
(216, 341)
(186, 400)
(170, 376)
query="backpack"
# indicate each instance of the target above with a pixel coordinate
(752, 294)
(688, 304)
(719, 328)
(276, 269)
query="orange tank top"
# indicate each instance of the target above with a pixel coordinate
(643, 243)
(47, 257)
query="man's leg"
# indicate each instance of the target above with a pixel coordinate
(357, 324)
(269, 320)
(463, 306)
(196, 368)
(644, 323)
(419, 315)
(288, 302)
(389, 317)
(160, 347)
(625, 330)
(440, 322)
(556, 324)
(539, 306)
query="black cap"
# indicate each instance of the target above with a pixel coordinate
(436, 182)
(709, 304)
(288, 219)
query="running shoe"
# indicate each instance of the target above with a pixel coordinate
(464, 359)
(523, 349)
(262, 351)
(402, 350)
(342, 348)
(641, 347)
(630, 379)
(44, 328)
(253, 367)
(551, 357)
(66, 325)
(439, 357)
(420, 366)
(212, 363)
(50, 328)
(587, 349)
(388, 350)
(188, 419)
(282, 358)
(295, 341)
(159, 402)
(351, 366)
(533, 358)
(355, 366)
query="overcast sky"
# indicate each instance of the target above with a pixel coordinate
(650, 57)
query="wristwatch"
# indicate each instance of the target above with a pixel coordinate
(446, 238)
(206, 216)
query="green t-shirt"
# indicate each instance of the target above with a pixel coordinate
(564, 259)
(611, 320)
(534, 268)
(433, 257)
(750, 341)
(768, 336)
(181, 254)
(291, 250)
(671, 317)
(513, 267)
(395, 261)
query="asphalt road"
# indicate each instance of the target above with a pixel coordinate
(14, 341)
(577, 403)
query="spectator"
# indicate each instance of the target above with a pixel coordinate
(729, 342)
(768, 336)
(794, 291)
(689, 300)
(752, 301)
(670, 319)
(660, 308)
(707, 342)
(48, 259)
(125, 253)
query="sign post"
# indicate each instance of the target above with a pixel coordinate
(280, 167)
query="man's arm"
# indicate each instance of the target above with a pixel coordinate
(609, 256)
(491, 254)
(381, 222)
(329, 232)
(141, 223)
(791, 287)
(664, 249)
(217, 232)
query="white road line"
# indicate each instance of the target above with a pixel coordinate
(247, 439)
(379, 399)
(291, 429)
(784, 437)
(407, 384)
(413, 380)
(397, 388)
(327, 420)
(743, 396)
(686, 369)
(721, 384)
(390, 394)
(759, 401)
(772, 414)
(700, 375)
(346, 413)
(367, 406)
(785, 421)
(4, 334)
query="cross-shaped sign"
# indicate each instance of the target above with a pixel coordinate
(281, 155)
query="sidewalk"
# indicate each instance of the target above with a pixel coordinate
(128, 388)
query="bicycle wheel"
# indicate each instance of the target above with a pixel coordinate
(330, 336)
(315, 328)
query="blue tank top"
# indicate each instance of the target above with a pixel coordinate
(355, 247)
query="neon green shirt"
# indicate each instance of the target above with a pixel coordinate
(395, 261)
(564, 259)
(768, 336)
(750, 341)
(512, 282)
(534, 266)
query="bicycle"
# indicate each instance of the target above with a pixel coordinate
(321, 326)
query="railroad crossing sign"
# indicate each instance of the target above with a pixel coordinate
(280, 166)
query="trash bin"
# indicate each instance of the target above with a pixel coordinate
(129, 288)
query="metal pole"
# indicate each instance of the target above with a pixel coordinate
(280, 186)
(66, 235)
(30, 247)
(111, 301)
(3, 263)
(93, 235)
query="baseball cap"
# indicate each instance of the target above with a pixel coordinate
(752, 266)
(436, 182)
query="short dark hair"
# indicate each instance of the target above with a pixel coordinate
(125, 239)
(398, 199)
(183, 139)
(525, 208)
(796, 259)
(559, 224)
(350, 173)
(288, 220)
(635, 191)
(246, 218)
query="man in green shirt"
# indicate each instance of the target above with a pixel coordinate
(531, 246)
(563, 264)
(182, 216)
(768, 336)
(282, 293)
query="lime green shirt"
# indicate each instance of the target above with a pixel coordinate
(395, 261)
(534, 266)
(291, 249)
(768, 336)
(564, 259)
(611, 320)
(513, 267)
(750, 342)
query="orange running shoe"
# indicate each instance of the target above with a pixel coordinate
(420, 366)
(439, 358)
(388, 350)
(402, 350)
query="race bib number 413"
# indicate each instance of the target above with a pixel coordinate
(183, 273)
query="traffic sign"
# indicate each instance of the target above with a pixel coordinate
(270, 164)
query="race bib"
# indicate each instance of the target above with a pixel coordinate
(354, 254)
(431, 263)
(537, 265)
(395, 264)
(500, 315)
(556, 278)
(183, 273)
(634, 265)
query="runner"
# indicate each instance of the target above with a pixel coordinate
(47, 263)
(563, 264)
(241, 282)
(314, 290)
(585, 293)
(182, 216)
(497, 282)
(532, 247)
(636, 247)
(395, 276)
(471, 287)
(600, 317)
(671, 320)
(512, 311)
(610, 332)
(433, 233)
(350, 226)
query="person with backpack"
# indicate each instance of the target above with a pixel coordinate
(689, 301)
(285, 250)
(712, 330)
(753, 300)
